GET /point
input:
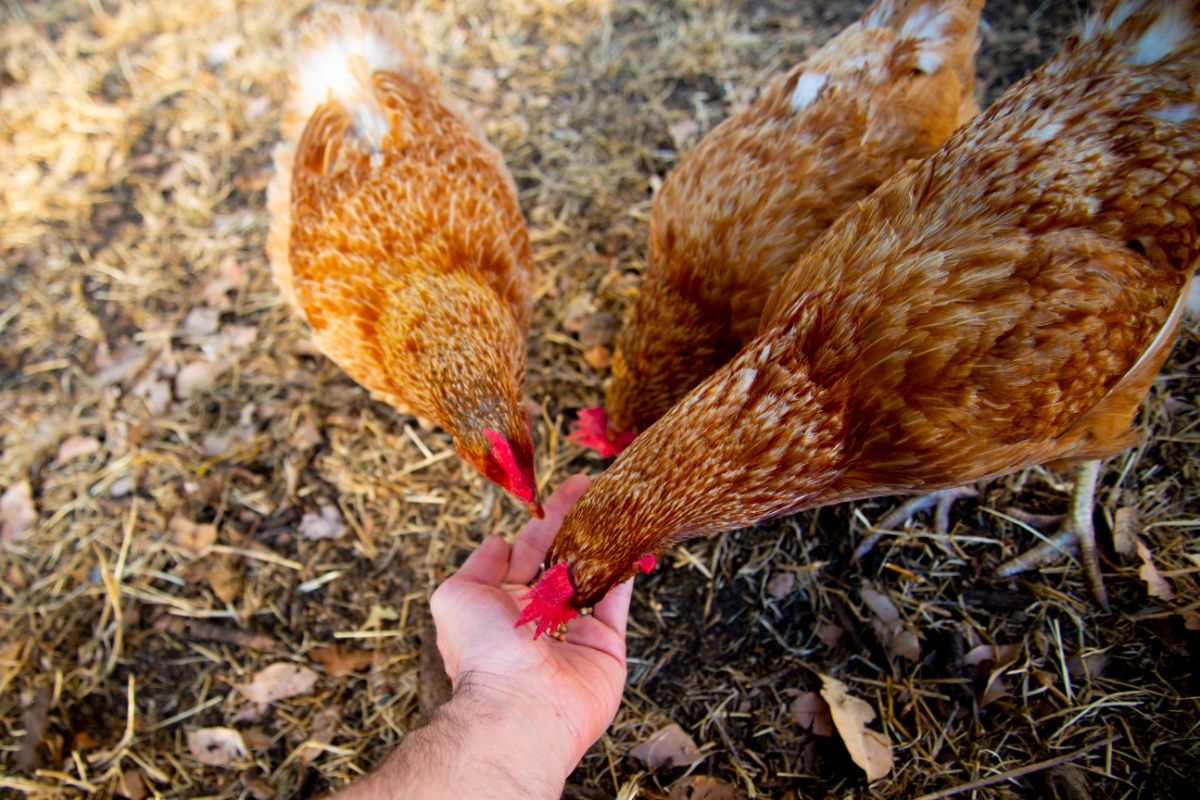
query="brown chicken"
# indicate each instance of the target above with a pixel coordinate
(395, 231)
(736, 212)
(1004, 303)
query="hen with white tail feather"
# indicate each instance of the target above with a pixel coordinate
(395, 232)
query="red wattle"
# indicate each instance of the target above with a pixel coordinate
(647, 563)
(548, 601)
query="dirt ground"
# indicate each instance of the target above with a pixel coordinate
(213, 497)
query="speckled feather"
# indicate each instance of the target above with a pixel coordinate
(736, 212)
(1004, 303)
(396, 233)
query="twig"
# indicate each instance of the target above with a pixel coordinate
(1018, 773)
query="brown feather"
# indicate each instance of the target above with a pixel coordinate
(1004, 303)
(736, 212)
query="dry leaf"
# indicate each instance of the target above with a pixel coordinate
(337, 660)
(829, 634)
(222, 573)
(74, 447)
(1156, 584)
(201, 321)
(810, 712)
(671, 746)
(1191, 619)
(258, 788)
(781, 584)
(995, 689)
(130, 785)
(324, 728)
(682, 133)
(577, 311)
(999, 654)
(194, 378)
(870, 749)
(230, 276)
(598, 329)
(326, 525)
(277, 682)
(16, 511)
(191, 537)
(216, 747)
(702, 787)
(1125, 530)
(891, 630)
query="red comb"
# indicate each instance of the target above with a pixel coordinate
(647, 563)
(591, 430)
(548, 601)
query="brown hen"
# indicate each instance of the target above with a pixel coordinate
(736, 212)
(1004, 303)
(395, 231)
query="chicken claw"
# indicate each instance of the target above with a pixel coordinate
(941, 515)
(1077, 529)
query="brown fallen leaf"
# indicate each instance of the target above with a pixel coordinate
(278, 681)
(216, 747)
(868, 748)
(337, 660)
(1156, 584)
(191, 537)
(224, 576)
(682, 133)
(997, 654)
(326, 525)
(17, 512)
(196, 377)
(230, 278)
(781, 585)
(670, 746)
(74, 447)
(324, 728)
(131, 786)
(257, 786)
(1126, 527)
(702, 787)
(829, 634)
(893, 633)
(810, 712)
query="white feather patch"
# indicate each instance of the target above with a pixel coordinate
(929, 23)
(1161, 39)
(808, 86)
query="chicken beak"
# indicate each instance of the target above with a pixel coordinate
(535, 507)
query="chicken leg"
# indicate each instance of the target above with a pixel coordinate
(1077, 528)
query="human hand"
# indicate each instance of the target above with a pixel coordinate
(564, 693)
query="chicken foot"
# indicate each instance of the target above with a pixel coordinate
(941, 501)
(1076, 529)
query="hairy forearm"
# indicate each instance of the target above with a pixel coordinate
(468, 749)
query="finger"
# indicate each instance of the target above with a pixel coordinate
(487, 564)
(594, 635)
(534, 539)
(613, 610)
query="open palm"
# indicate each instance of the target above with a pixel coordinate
(575, 683)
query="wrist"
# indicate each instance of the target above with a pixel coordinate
(525, 732)
(473, 746)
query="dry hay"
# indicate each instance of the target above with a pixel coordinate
(143, 327)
